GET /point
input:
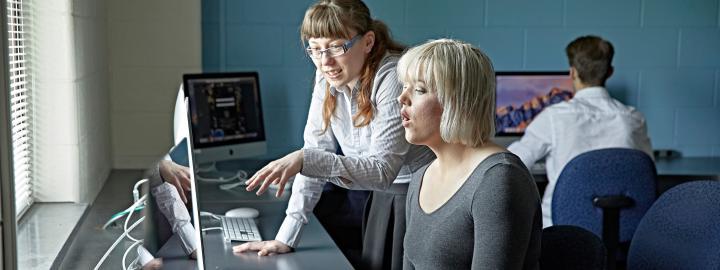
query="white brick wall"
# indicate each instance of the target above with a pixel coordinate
(151, 44)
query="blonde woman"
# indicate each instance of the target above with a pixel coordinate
(354, 106)
(476, 206)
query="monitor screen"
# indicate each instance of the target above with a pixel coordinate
(520, 96)
(226, 115)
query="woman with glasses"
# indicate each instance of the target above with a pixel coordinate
(476, 206)
(353, 105)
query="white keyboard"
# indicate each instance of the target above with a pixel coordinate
(240, 229)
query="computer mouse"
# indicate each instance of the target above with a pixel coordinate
(244, 212)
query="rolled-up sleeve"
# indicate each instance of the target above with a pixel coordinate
(306, 190)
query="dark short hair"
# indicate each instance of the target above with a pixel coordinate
(592, 57)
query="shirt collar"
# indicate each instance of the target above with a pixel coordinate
(334, 91)
(592, 92)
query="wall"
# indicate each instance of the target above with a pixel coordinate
(256, 35)
(71, 116)
(93, 100)
(151, 44)
(667, 60)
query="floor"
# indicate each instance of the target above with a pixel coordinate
(42, 232)
(91, 242)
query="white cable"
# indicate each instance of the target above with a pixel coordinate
(128, 251)
(136, 193)
(208, 214)
(129, 216)
(241, 175)
(113, 219)
(134, 264)
(212, 228)
(116, 243)
(230, 186)
(119, 215)
(131, 208)
(206, 169)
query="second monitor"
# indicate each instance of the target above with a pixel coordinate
(226, 115)
(520, 96)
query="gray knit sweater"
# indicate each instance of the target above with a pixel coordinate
(492, 222)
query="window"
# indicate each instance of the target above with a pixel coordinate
(20, 110)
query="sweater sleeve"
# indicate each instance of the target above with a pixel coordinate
(503, 210)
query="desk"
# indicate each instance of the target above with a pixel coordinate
(708, 167)
(674, 171)
(315, 251)
(670, 172)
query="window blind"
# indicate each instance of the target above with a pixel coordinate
(20, 109)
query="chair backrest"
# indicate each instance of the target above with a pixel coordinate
(571, 247)
(681, 230)
(604, 172)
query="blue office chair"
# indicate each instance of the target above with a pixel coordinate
(571, 247)
(681, 230)
(607, 192)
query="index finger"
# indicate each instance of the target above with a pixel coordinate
(256, 179)
(269, 179)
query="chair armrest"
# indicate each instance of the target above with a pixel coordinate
(614, 201)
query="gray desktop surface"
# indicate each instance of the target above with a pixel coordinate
(689, 166)
(708, 167)
(211, 192)
(315, 251)
(670, 171)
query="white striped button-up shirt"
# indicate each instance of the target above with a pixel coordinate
(375, 156)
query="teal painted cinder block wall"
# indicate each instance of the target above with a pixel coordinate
(667, 61)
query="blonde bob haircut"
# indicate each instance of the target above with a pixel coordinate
(463, 78)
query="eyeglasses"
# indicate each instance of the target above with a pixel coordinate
(333, 51)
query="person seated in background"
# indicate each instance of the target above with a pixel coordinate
(591, 120)
(476, 205)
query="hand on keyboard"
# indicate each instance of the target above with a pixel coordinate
(263, 248)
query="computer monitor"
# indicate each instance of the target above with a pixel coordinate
(226, 115)
(522, 95)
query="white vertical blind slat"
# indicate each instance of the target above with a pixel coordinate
(20, 109)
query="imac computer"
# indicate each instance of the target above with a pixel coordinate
(520, 96)
(226, 116)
